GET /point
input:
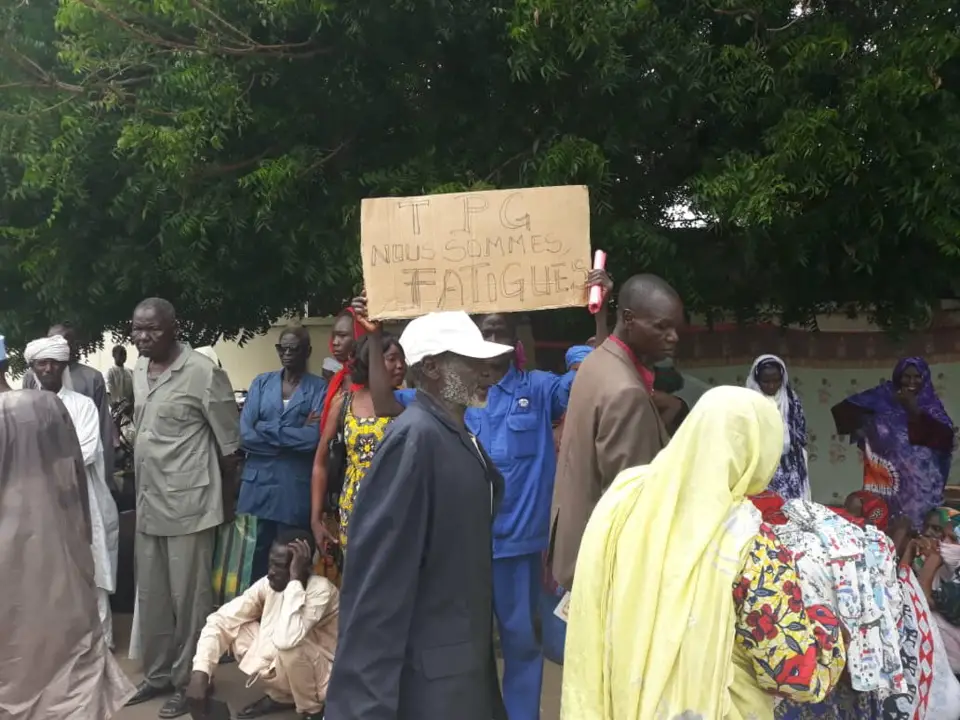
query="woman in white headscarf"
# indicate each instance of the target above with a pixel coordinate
(768, 376)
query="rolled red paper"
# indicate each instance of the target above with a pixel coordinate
(596, 292)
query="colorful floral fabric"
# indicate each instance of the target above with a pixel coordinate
(361, 436)
(796, 652)
(853, 572)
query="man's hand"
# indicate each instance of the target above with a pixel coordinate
(601, 278)
(300, 560)
(230, 489)
(359, 307)
(198, 690)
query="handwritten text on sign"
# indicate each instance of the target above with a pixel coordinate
(497, 250)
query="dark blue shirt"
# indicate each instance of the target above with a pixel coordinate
(516, 431)
(280, 443)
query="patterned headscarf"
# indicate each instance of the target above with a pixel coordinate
(949, 517)
(784, 397)
(875, 510)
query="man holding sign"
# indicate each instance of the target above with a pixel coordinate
(516, 429)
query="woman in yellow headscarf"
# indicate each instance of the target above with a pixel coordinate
(685, 606)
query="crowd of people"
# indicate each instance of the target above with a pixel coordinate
(429, 495)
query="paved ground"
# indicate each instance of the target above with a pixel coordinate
(230, 684)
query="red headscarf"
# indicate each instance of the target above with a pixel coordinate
(336, 383)
(875, 510)
(770, 506)
(858, 521)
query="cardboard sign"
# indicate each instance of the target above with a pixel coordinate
(490, 251)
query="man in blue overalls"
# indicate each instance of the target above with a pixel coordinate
(516, 430)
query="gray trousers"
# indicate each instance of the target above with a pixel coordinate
(175, 595)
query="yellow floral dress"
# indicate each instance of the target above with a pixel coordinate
(361, 437)
(797, 651)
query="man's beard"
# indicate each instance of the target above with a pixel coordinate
(456, 391)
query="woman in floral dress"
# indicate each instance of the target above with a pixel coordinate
(362, 431)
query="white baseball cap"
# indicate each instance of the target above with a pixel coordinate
(441, 332)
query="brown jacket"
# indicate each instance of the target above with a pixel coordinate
(611, 425)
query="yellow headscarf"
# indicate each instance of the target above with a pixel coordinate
(651, 623)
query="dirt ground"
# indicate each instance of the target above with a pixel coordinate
(230, 684)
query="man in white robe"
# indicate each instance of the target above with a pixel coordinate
(48, 358)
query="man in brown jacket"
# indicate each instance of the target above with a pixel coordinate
(612, 422)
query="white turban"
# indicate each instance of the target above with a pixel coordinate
(48, 348)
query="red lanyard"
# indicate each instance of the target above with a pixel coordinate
(645, 375)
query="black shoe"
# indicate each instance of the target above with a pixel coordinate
(175, 706)
(146, 692)
(264, 706)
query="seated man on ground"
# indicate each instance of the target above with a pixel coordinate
(283, 632)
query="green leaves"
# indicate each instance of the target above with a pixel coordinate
(216, 152)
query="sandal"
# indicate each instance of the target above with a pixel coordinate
(264, 706)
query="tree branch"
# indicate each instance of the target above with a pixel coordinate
(290, 50)
(326, 158)
(214, 170)
(204, 8)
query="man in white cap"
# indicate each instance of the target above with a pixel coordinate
(416, 606)
(48, 359)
